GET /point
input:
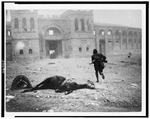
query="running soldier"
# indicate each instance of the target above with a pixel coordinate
(98, 61)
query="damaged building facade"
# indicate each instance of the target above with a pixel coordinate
(72, 34)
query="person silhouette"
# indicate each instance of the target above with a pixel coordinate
(98, 60)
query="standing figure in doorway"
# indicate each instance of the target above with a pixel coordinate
(51, 52)
(98, 61)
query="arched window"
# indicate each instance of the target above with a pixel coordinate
(76, 25)
(16, 23)
(82, 25)
(109, 32)
(130, 35)
(135, 37)
(88, 25)
(30, 51)
(94, 32)
(24, 24)
(80, 49)
(87, 49)
(124, 36)
(53, 31)
(8, 33)
(21, 51)
(118, 35)
(101, 32)
(32, 26)
(140, 37)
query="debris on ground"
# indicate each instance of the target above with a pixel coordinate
(9, 97)
(51, 63)
(119, 92)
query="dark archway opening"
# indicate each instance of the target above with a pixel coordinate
(53, 48)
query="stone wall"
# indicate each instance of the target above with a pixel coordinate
(46, 23)
(24, 39)
(82, 40)
(25, 45)
(82, 47)
(118, 39)
(20, 33)
(76, 41)
(8, 42)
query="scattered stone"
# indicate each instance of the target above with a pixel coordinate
(106, 100)
(51, 63)
(37, 96)
(34, 72)
(92, 103)
(35, 91)
(95, 104)
(39, 69)
(96, 98)
(9, 97)
(122, 61)
(129, 55)
(48, 96)
(50, 110)
(134, 85)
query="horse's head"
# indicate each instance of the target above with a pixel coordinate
(90, 84)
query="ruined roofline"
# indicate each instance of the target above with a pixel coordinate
(24, 11)
(70, 12)
(46, 17)
(114, 25)
(49, 16)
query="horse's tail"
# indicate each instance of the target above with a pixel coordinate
(33, 88)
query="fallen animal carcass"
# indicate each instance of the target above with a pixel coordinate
(60, 84)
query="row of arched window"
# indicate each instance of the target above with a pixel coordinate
(83, 23)
(125, 40)
(24, 24)
(80, 49)
(118, 32)
(131, 35)
(22, 52)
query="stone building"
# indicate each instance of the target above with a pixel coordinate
(72, 34)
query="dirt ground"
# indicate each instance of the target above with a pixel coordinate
(120, 91)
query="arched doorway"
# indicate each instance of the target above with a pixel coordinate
(124, 40)
(140, 41)
(102, 42)
(118, 39)
(110, 42)
(135, 40)
(130, 40)
(53, 42)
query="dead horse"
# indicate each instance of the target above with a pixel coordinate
(61, 84)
